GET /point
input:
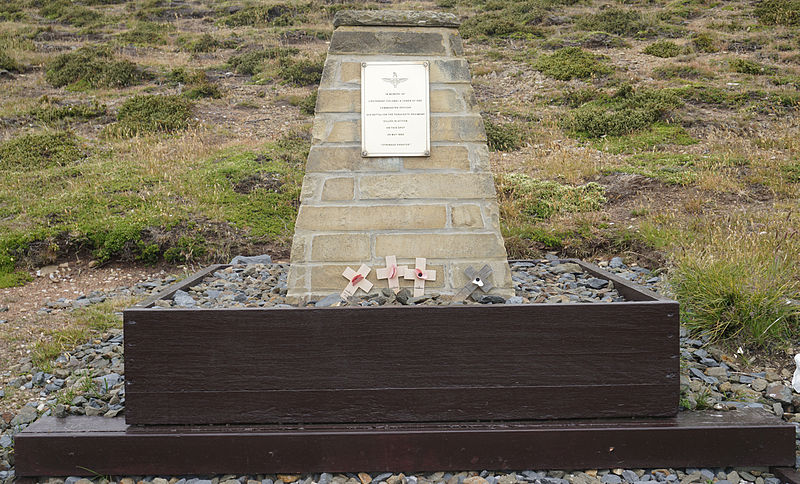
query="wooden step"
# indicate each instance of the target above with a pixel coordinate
(96, 445)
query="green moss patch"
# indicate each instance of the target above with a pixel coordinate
(572, 63)
(93, 67)
(38, 150)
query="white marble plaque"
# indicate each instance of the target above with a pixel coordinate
(395, 109)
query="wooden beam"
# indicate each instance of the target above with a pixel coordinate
(97, 445)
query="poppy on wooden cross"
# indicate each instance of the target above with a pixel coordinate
(392, 272)
(419, 274)
(357, 280)
(478, 280)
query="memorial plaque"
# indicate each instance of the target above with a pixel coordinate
(395, 109)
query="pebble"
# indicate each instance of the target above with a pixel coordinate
(264, 285)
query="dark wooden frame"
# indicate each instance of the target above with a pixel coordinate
(94, 445)
(402, 364)
(481, 410)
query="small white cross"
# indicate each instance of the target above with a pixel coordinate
(392, 272)
(357, 280)
(420, 275)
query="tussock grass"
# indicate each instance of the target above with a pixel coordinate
(737, 280)
(503, 137)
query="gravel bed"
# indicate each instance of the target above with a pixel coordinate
(540, 282)
(89, 380)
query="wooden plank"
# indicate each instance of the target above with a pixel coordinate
(787, 475)
(383, 356)
(89, 445)
(627, 289)
(393, 405)
(182, 285)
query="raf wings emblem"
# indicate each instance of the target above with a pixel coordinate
(394, 80)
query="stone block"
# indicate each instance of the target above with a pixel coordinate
(340, 247)
(338, 101)
(340, 188)
(335, 129)
(383, 40)
(456, 45)
(312, 186)
(480, 157)
(466, 216)
(426, 185)
(457, 128)
(376, 217)
(442, 158)
(329, 71)
(459, 99)
(433, 246)
(350, 72)
(449, 70)
(300, 245)
(346, 158)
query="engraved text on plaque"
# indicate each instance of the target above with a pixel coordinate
(395, 109)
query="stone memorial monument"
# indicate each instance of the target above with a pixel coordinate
(398, 164)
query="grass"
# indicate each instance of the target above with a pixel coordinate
(658, 136)
(151, 113)
(669, 168)
(541, 199)
(275, 15)
(665, 48)
(253, 62)
(52, 112)
(146, 33)
(572, 63)
(41, 150)
(781, 12)
(84, 324)
(503, 137)
(119, 204)
(621, 21)
(68, 13)
(626, 111)
(9, 63)
(92, 67)
(747, 66)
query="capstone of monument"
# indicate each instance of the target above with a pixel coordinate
(413, 180)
